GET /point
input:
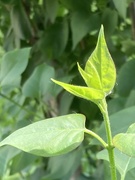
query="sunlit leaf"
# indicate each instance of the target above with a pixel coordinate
(100, 66)
(82, 92)
(125, 142)
(49, 137)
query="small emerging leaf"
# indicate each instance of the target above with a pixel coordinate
(125, 142)
(100, 67)
(50, 137)
(81, 91)
(99, 74)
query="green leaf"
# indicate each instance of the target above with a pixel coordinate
(100, 66)
(110, 21)
(39, 82)
(49, 137)
(55, 164)
(20, 21)
(12, 66)
(121, 6)
(22, 161)
(81, 24)
(6, 154)
(123, 162)
(119, 121)
(82, 92)
(125, 80)
(125, 142)
(73, 6)
(51, 10)
(54, 39)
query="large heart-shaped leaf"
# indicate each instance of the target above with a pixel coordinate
(125, 142)
(49, 137)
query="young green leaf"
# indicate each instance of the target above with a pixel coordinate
(100, 67)
(82, 92)
(99, 74)
(50, 137)
(125, 142)
(88, 78)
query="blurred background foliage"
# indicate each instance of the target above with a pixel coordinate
(44, 39)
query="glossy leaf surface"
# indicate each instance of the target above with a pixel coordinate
(49, 137)
(125, 142)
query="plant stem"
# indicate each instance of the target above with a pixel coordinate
(21, 107)
(103, 107)
(97, 137)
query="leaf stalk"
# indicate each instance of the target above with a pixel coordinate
(110, 148)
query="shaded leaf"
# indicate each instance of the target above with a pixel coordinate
(125, 142)
(79, 6)
(81, 24)
(6, 154)
(123, 162)
(39, 83)
(109, 20)
(51, 10)
(119, 121)
(50, 137)
(20, 21)
(54, 40)
(64, 165)
(12, 66)
(125, 79)
(22, 161)
(121, 6)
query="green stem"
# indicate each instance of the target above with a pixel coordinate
(103, 107)
(11, 100)
(105, 145)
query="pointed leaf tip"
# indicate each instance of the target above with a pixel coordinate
(88, 93)
(100, 66)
